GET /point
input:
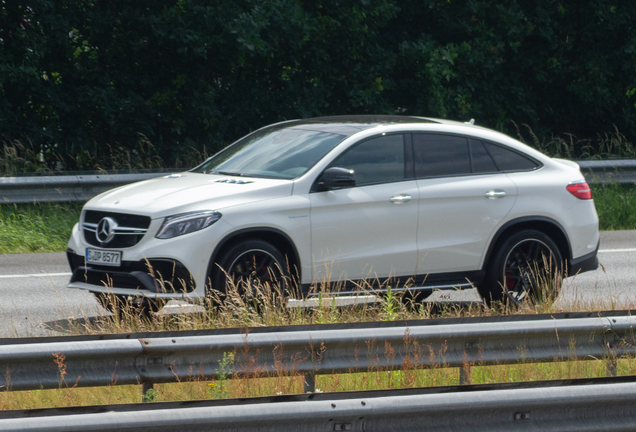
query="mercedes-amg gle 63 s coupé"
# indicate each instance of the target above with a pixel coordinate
(418, 202)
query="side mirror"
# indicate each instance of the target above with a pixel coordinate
(336, 178)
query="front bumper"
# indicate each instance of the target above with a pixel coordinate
(175, 268)
(149, 277)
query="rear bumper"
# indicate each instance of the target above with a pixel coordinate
(585, 263)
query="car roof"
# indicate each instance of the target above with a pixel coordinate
(370, 119)
(351, 124)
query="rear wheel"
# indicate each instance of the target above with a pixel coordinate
(250, 267)
(526, 267)
(134, 305)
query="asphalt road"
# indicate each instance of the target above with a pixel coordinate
(34, 297)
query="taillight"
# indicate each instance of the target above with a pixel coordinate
(580, 190)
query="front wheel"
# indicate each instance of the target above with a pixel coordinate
(526, 267)
(251, 269)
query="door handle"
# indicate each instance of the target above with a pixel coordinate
(495, 193)
(400, 199)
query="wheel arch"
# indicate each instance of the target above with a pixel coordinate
(546, 225)
(271, 235)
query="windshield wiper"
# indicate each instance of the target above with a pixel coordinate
(249, 175)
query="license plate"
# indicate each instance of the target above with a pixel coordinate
(102, 257)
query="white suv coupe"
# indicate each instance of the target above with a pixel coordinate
(439, 203)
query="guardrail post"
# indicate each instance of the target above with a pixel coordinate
(309, 384)
(464, 374)
(145, 395)
(611, 366)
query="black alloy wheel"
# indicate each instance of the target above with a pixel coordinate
(527, 267)
(250, 266)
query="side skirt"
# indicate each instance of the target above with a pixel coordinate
(420, 283)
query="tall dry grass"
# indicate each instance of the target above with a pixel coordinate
(19, 158)
(257, 305)
(609, 145)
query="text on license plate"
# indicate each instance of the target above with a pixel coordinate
(102, 257)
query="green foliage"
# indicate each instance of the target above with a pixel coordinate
(390, 306)
(85, 79)
(219, 388)
(151, 395)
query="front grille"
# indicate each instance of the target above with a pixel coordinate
(158, 275)
(129, 231)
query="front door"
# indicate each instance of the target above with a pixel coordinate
(367, 231)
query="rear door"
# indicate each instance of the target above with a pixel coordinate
(463, 199)
(368, 231)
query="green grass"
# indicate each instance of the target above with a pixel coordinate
(616, 206)
(28, 228)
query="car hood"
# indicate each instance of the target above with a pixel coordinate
(184, 192)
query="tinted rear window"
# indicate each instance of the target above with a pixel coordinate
(482, 162)
(510, 160)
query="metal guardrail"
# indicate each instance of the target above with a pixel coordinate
(314, 350)
(65, 188)
(82, 187)
(574, 405)
(608, 171)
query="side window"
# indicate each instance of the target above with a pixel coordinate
(377, 160)
(509, 160)
(440, 155)
(482, 162)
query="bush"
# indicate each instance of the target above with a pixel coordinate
(84, 79)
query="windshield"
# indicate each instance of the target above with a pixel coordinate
(273, 153)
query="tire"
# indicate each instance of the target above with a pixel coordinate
(527, 266)
(120, 305)
(251, 263)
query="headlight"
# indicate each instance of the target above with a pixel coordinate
(186, 223)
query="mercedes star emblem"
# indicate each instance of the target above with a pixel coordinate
(105, 230)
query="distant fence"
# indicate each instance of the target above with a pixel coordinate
(82, 187)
